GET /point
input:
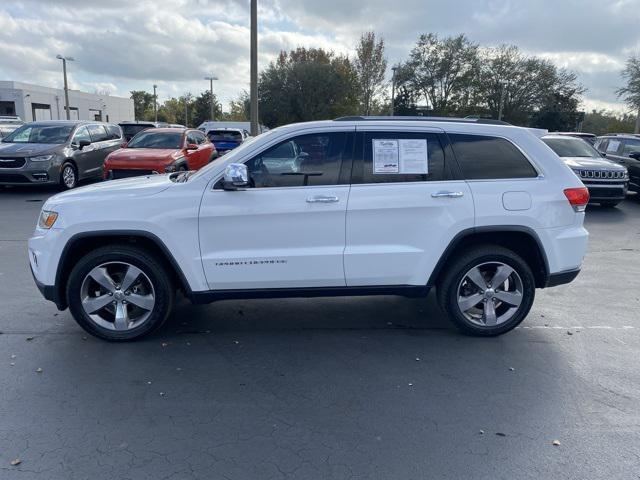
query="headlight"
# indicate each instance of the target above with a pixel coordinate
(41, 158)
(47, 219)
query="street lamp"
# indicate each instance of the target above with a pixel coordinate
(155, 103)
(393, 91)
(253, 88)
(66, 86)
(187, 98)
(211, 79)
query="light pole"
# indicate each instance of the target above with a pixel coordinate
(66, 85)
(253, 89)
(393, 91)
(187, 97)
(155, 103)
(211, 79)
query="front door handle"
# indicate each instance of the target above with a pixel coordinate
(444, 194)
(323, 199)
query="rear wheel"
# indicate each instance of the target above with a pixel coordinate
(119, 293)
(488, 291)
(68, 176)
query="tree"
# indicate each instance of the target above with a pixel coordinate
(201, 109)
(307, 84)
(239, 108)
(442, 70)
(142, 104)
(602, 121)
(370, 66)
(631, 91)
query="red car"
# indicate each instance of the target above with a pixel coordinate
(160, 150)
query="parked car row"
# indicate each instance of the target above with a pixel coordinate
(65, 152)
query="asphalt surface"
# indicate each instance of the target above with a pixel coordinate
(364, 388)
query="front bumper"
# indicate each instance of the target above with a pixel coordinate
(49, 292)
(32, 173)
(606, 191)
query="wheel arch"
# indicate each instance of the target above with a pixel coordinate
(82, 243)
(522, 240)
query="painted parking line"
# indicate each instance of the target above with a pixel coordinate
(591, 327)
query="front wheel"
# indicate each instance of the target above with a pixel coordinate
(119, 293)
(488, 291)
(68, 176)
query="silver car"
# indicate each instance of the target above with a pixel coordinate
(58, 152)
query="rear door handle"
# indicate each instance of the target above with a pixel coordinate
(444, 194)
(323, 199)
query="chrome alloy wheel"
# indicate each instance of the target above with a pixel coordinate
(489, 294)
(117, 296)
(69, 176)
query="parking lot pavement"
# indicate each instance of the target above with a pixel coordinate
(371, 388)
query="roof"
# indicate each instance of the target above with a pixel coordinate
(623, 135)
(479, 121)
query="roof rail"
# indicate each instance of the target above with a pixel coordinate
(482, 121)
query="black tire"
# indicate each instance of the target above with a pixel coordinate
(155, 272)
(452, 278)
(609, 204)
(70, 169)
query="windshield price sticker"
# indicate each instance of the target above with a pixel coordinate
(400, 156)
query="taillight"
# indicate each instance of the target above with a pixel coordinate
(578, 198)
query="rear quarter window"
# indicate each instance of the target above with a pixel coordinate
(483, 157)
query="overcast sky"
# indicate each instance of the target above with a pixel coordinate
(122, 45)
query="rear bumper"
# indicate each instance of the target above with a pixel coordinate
(562, 278)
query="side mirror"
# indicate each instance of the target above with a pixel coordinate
(83, 143)
(604, 154)
(635, 155)
(236, 177)
(192, 146)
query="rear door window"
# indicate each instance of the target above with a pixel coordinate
(630, 146)
(483, 157)
(390, 157)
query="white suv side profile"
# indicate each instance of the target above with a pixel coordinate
(483, 211)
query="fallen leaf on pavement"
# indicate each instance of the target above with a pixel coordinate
(16, 461)
(556, 443)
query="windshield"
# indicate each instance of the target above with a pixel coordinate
(53, 134)
(233, 155)
(151, 139)
(224, 136)
(571, 147)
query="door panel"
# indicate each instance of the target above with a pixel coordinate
(288, 229)
(273, 237)
(399, 224)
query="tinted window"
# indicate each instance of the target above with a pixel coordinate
(200, 138)
(483, 157)
(224, 136)
(192, 138)
(631, 146)
(305, 160)
(408, 150)
(129, 130)
(97, 132)
(114, 132)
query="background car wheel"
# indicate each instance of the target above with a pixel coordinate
(182, 168)
(609, 204)
(68, 176)
(120, 293)
(488, 291)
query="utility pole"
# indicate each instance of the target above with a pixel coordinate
(253, 90)
(393, 91)
(211, 79)
(66, 85)
(502, 94)
(187, 98)
(155, 103)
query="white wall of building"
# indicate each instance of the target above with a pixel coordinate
(48, 104)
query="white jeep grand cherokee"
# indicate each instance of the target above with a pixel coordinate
(483, 211)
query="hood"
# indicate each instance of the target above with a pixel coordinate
(128, 187)
(27, 149)
(143, 155)
(591, 163)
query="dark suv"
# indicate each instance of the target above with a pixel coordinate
(59, 152)
(625, 150)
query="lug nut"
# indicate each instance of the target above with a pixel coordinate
(127, 292)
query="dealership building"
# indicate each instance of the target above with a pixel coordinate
(33, 102)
